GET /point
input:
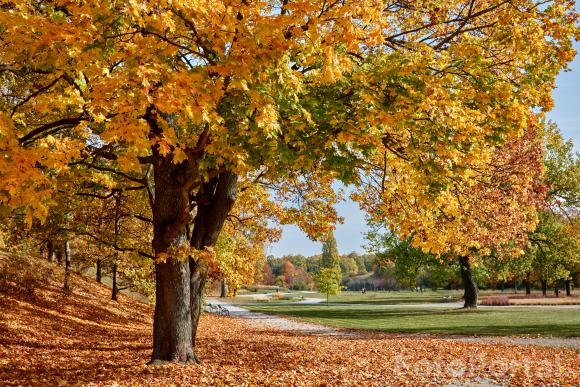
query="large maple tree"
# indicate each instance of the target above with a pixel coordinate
(187, 99)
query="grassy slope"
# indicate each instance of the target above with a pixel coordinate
(488, 321)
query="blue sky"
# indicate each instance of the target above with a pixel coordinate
(350, 235)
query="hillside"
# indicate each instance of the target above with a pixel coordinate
(49, 338)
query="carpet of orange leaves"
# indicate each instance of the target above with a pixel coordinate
(87, 339)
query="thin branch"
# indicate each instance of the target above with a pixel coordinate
(111, 170)
(32, 95)
(48, 128)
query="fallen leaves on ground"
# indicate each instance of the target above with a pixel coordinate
(87, 339)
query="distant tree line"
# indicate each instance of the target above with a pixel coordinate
(297, 271)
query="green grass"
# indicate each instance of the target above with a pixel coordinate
(392, 298)
(370, 298)
(487, 321)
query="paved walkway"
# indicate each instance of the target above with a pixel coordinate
(281, 323)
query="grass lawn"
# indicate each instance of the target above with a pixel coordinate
(486, 321)
(349, 297)
(393, 297)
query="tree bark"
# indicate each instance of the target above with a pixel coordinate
(215, 200)
(172, 328)
(471, 290)
(180, 280)
(172, 321)
(59, 256)
(544, 287)
(67, 287)
(568, 287)
(115, 287)
(528, 284)
(196, 283)
(99, 275)
(50, 246)
(223, 288)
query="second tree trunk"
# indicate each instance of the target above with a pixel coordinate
(471, 291)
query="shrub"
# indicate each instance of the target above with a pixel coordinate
(496, 301)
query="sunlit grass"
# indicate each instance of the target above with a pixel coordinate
(485, 321)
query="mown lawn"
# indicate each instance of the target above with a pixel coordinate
(484, 321)
(350, 297)
(393, 297)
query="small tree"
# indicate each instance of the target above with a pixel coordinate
(328, 281)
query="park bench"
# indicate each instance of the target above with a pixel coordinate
(217, 309)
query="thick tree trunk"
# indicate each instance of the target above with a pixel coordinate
(556, 291)
(67, 286)
(544, 287)
(223, 288)
(99, 275)
(179, 282)
(172, 327)
(568, 287)
(471, 291)
(172, 322)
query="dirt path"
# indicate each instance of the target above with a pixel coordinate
(285, 324)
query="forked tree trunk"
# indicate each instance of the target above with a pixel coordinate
(471, 291)
(172, 326)
(180, 280)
